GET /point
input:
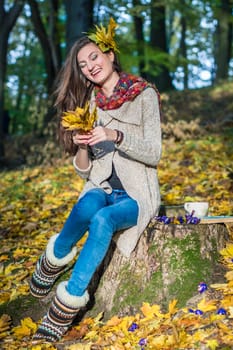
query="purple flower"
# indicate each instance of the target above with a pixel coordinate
(221, 311)
(202, 287)
(194, 220)
(180, 219)
(133, 327)
(167, 220)
(142, 342)
(198, 312)
(192, 311)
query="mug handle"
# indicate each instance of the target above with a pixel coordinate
(186, 206)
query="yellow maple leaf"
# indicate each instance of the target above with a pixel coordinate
(224, 327)
(159, 342)
(151, 311)
(20, 252)
(207, 305)
(98, 318)
(9, 268)
(91, 335)
(172, 307)
(114, 321)
(79, 346)
(227, 252)
(212, 344)
(219, 286)
(4, 297)
(227, 301)
(79, 119)
(4, 257)
(26, 328)
(229, 275)
(230, 311)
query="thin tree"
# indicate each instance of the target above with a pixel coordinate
(48, 39)
(158, 41)
(140, 40)
(7, 22)
(223, 42)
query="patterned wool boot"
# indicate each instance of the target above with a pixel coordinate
(62, 312)
(48, 269)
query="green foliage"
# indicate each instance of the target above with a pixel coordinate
(26, 95)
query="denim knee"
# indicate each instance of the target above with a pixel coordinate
(102, 226)
(90, 203)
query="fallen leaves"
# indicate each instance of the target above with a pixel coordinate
(34, 204)
(26, 328)
(5, 323)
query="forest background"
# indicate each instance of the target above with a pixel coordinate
(184, 47)
(175, 44)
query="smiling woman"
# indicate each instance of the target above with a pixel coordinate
(110, 123)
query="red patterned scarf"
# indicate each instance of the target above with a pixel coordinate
(128, 87)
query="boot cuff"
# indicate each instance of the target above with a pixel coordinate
(52, 258)
(69, 300)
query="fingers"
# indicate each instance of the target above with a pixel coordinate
(95, 136)
(81, 139)
(98, 135)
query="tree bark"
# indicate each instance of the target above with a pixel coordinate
(138, 24)
(7, 22)
(183, 50)
(52, 56)
(158, 40)
(79, 19)
(223, 40)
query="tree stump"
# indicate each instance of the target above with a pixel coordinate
(168, 263)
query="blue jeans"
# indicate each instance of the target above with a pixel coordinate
(100, 214)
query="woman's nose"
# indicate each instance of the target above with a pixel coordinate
(90, 66)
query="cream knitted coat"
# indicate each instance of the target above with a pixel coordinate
(135, 160)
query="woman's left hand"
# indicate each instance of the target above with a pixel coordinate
(100, 134)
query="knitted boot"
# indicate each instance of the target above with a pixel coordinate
(60, 315)
(48, 269)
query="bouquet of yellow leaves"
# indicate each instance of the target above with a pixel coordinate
(79, 119)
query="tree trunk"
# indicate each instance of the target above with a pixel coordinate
(138, 24)
(223, 40)
(183, 50)
(49, 47)
(168, 263)
(7, 22)
(79, 19)
(158, 40)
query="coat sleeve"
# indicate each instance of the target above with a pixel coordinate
(147, 147)
(83, 173)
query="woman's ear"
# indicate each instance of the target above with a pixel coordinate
(111, 55)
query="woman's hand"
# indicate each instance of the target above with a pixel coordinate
(100, 134)
(81, 139)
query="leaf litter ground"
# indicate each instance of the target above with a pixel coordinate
(34, 204)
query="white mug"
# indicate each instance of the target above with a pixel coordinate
(199, 209)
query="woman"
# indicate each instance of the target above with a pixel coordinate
(117, 157)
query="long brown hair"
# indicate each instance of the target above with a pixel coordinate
(73, 89)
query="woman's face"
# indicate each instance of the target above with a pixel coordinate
(95, 65)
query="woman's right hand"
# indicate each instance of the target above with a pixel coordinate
(81, 139)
